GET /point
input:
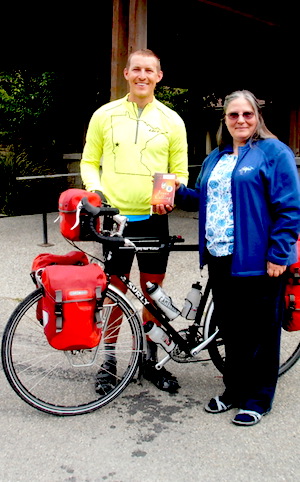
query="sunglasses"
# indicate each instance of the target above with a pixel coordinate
(235, 115)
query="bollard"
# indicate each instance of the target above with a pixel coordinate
(45, 231)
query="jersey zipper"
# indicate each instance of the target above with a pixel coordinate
(136, 111)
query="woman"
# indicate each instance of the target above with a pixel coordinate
(249, 219)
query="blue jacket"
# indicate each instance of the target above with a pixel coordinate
(266, 205)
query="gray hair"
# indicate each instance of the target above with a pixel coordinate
(261, 132)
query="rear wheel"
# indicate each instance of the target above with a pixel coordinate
(289, 351)
(216, 347)
(63, 382)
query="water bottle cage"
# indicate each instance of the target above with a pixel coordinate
(167, 303)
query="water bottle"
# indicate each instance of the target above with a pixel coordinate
(162, 300)
(158, 335)
(192, 302)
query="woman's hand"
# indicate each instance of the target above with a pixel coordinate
(177, 184)
(275, 270)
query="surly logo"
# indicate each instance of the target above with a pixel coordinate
(136, 291)
(246, 169)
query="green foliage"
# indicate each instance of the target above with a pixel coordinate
(173, 97)
(28, 132)
(15, 195)
(25, 100)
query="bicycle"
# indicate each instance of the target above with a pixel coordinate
(63, 382)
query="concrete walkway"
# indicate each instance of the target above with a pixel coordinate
(144, 435)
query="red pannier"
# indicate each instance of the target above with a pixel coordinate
(292, 296)
(71, 227)
(71, 305)
(46, 259)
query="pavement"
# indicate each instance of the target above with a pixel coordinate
(145, 434)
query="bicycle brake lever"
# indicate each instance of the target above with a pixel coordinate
(77, 218)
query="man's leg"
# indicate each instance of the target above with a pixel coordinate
(162, 378)
(154, 278)
(106, 377)
(115, 320)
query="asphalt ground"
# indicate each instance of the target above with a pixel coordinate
(145, 434)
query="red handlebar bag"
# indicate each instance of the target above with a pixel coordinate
(292, 296)
(71, 305)
(71, 227)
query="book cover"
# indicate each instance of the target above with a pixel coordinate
(163, 189)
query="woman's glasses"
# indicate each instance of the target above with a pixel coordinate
(235, 115)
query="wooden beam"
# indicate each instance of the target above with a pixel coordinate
(137, 38)
(238, 12)
(129, 33)
(294, 140)
(119, 48)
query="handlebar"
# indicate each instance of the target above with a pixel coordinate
(98, 211)
(116, 240)
(94, 212)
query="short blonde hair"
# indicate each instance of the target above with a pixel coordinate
(145, 53)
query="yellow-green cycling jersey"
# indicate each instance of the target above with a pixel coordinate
(131, 146)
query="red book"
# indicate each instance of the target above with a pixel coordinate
(163, 189)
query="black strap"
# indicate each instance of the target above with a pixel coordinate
(58, 310)
(98, 293)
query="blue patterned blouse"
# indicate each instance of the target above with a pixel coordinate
(219, 221)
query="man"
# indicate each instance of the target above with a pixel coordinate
(133, 138)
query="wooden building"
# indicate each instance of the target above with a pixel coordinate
(209, 48)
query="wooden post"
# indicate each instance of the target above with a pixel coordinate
(137, 38)
(129, 32)
(119, 48)
(294, 140)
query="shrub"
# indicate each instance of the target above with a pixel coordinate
(26, 196)
(173, 97)
(25, 104)
(28, 130)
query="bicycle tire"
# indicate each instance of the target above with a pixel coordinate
(289, 348)
(54, 382)
(216, 347)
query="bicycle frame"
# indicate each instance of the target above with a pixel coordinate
(183, 344)
(169, 245)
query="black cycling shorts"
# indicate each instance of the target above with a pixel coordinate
(154, 262)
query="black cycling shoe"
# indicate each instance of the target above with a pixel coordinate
(106, 378)
(162, 379)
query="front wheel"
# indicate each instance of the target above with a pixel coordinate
(289, 348)
(63, 382)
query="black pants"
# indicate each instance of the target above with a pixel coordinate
(154, 262)
(249, 313)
